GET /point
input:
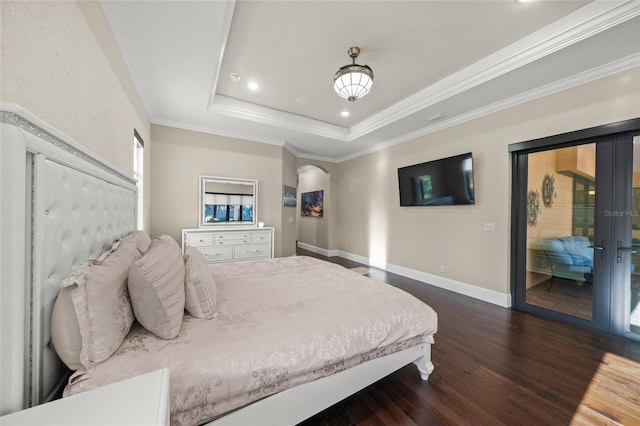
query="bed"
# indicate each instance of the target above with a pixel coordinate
(287, 337)
(280, 323)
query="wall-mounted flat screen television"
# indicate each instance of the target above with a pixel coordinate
(443, 182)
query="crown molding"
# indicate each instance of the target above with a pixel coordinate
(215, 131)
(268, 116)
(227, 19)
(300, 154)
(583, 23)
(624, 64)
(237, 135)
(306, 156)
(292, 149)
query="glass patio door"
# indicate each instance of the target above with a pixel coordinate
(625, 291)
(566, 255)
(577, 233)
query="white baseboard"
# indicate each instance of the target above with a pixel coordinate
(486, 295)
(315, 249)
(356, 258)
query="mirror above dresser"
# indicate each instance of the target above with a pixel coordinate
(227, 202)
(228, 214)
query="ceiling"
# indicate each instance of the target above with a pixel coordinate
(435, 63)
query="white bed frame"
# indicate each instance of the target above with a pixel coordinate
(293, 405)
(63, 205)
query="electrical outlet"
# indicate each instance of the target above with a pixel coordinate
(489, 227)
(441, 268)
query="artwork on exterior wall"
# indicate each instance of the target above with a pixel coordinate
(312, 203)
(549, 190)
(533, 207)
(289, 196)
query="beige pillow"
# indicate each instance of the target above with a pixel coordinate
(92, 315)
(156, 287)
(65, 330)
(199, 287)
(142, 241)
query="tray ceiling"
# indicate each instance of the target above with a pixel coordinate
(436, 63)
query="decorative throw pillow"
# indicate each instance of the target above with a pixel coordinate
(143, 241)
(199, 286)
(156, 288)
(101, 308)
(99, 286)
(65, 330)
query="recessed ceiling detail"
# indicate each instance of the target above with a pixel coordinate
(469, 68)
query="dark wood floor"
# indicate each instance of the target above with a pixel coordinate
(496, 366)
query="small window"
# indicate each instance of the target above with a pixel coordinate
(138, 174)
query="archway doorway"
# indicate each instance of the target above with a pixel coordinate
(314, 209)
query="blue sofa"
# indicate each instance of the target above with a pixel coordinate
(564, 257)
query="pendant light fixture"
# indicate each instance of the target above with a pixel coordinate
(353, 81)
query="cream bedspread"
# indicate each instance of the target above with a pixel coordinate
(281, 322)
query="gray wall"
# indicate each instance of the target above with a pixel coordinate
(181, 156)
(61, 62)
(371, 224)
(288, 228)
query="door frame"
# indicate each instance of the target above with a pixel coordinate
(622, 224)
(602, 319)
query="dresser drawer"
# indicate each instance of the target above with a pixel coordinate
(217, 254)
(252, 251)
(261, 237)
(199, 240)
(231, 238)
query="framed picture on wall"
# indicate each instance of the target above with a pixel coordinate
(289, 196)
(312, 203)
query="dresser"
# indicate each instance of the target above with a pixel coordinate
(230, 244)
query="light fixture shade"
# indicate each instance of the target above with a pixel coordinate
(353, 81)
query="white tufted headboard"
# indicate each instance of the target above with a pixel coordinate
(61, 206)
